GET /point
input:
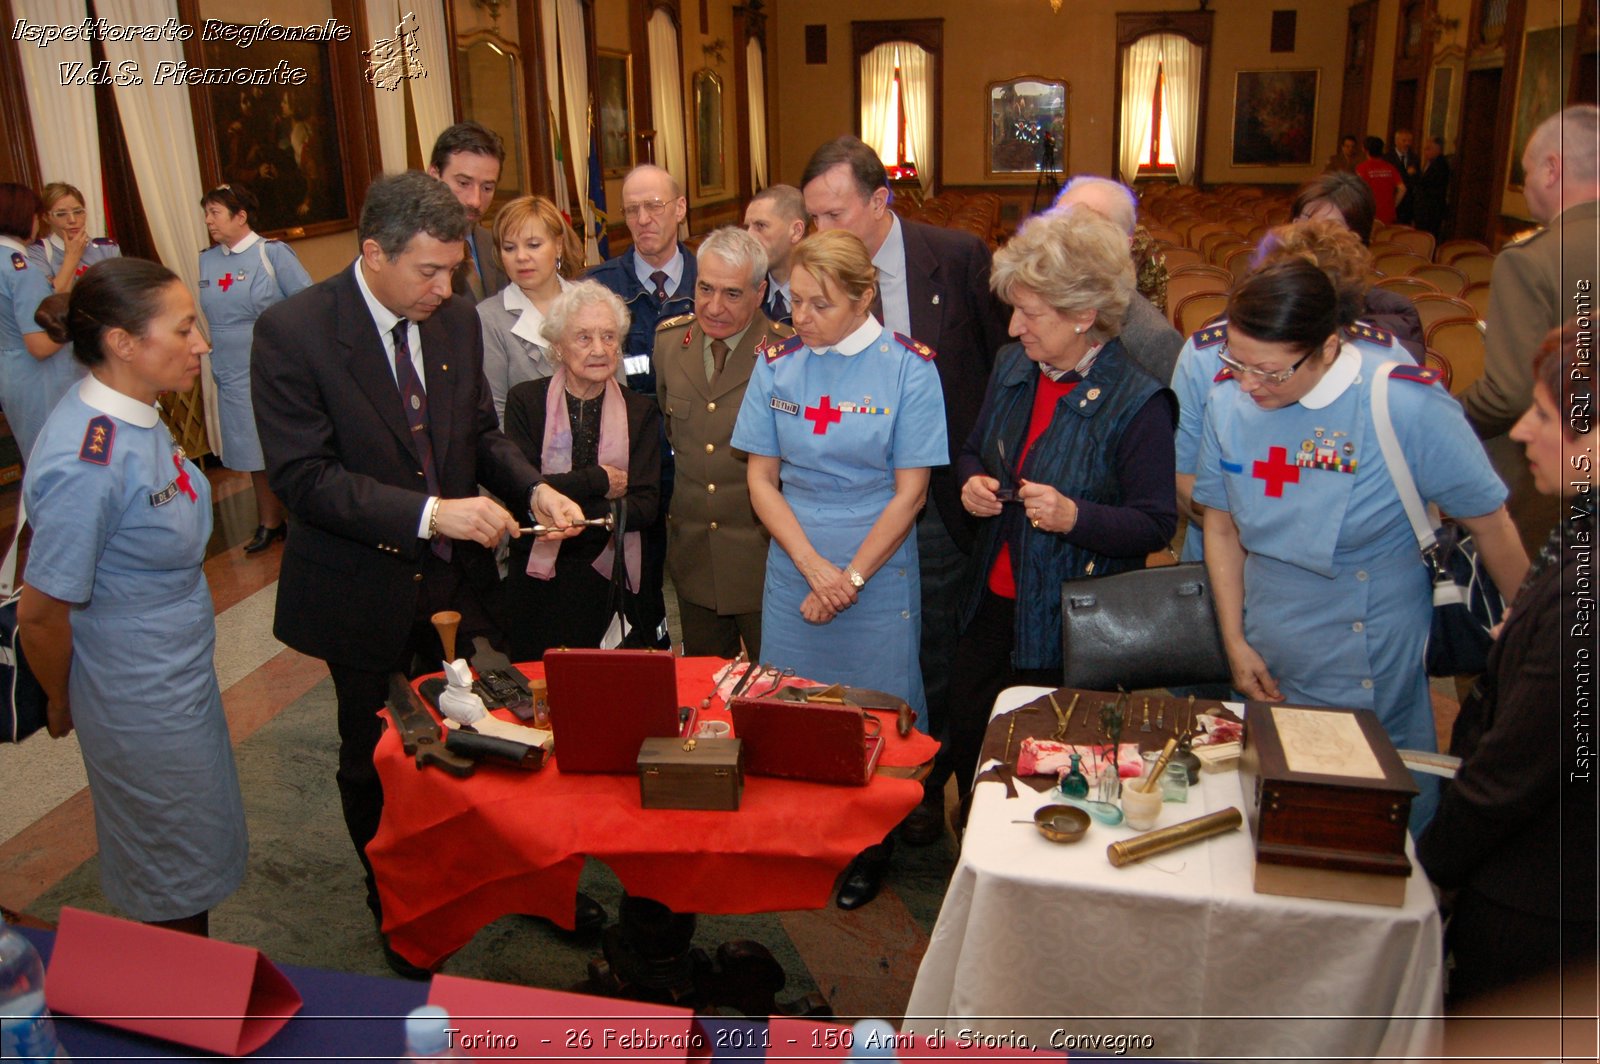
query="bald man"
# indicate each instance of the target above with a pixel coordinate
(1539, 281)
(1147, 336)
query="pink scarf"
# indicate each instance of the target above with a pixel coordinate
(555, 456)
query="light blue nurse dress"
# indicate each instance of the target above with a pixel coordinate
(235, 287)
(47, 254)
(1337, 597)
(121, 521)
(841, 421)
(29, 387)
(1199, 370)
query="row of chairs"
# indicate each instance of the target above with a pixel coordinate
(978, 213)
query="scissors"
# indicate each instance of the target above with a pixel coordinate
(777, 676)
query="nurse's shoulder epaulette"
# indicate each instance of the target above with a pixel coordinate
(1211, 335)
(917, 347)
(1417, 374)
(788, 347)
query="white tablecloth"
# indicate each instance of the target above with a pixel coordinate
(1052, 943)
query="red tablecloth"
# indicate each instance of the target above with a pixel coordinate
(453, 855)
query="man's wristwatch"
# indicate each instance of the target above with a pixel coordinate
(857, 581)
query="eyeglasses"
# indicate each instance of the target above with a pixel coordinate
(1278, 376)
(66, 215)
(652, 209)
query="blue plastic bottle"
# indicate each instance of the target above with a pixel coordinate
(27, 1033)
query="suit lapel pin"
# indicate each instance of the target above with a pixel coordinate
(936, 299)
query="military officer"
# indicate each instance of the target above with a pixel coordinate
(716, 549)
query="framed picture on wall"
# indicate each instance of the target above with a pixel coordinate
(613, 98)
(1444, 97)
(1541, 88)
(283, 142)
(1274, 117)
(1027, 126)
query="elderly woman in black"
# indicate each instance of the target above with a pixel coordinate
(595, 441)
(1513, 843)
(1069, 468)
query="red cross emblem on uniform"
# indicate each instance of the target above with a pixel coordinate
(82, 269)
(822, 415)
(1277, 471)
(183, 479)
(226, 282)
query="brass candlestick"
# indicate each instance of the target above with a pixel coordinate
(445, 622)
(1163, 839)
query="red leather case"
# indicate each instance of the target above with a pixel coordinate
(806, 741)
(605, 703)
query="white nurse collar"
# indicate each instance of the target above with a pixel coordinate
(859, 340)
(108, 400)
(1343, 373)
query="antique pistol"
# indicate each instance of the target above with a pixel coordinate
(419, 732)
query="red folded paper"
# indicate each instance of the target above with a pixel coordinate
(493, 1020)
(209, 995)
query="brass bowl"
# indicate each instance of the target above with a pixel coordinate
(1061, 823)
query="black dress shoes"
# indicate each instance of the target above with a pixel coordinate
(863, 878)
(924, 825)
(264, 537)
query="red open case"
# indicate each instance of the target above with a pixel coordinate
(807, 740)
(605, 703)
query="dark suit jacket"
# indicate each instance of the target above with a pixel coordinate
(340, 455)
(953, 312)
(494, 278)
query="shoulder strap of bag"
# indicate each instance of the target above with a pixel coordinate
(1424, 519)
(8, 568)
(266, 263)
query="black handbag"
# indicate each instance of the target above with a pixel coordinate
(25, 701)
(1466, 604)
(1140, 629)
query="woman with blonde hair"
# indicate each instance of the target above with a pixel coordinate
(842, 423)
(65, 249)
(1069, 468)
(540, 254)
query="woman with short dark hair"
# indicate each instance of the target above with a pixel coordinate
(243, 273)
(1321, 596)
(116, 616)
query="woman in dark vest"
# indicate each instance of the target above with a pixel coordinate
(1069, 468)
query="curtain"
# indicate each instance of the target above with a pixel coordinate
(916, 97)
(430, 95)
(575, 79)
(666, 99)
(756, 89)
(159, 127)
(877, 101)
(1140, 66)
(552, 88)
(65, 132)
(1180, 63)
(383, 16)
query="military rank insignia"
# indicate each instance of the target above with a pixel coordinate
(1211, 335)
(1415, 374)
(1326, 452)
(922, 350)
(788, 347)
(1362, 331)
(97, 440)
(18, 261)
(1223, 374)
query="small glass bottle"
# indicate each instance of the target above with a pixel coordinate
(1175, 783)
(540, 692)
(1075, 784)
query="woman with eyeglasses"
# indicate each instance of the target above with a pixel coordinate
(67, 249)
(1322, 598)
(34, 373)
(242, 274)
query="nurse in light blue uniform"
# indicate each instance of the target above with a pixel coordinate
(117, 613)
(30, 361)
(848, 418)
(66, 251)
(1322, 595)
(241, 275)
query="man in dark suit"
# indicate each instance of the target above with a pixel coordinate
(934, 287)
(467, 157)
(776, 216)
(1403, 157)
(1431, 190)
(378, 427)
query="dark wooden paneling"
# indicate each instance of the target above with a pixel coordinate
(1361, 35)
(19, 162)
(530, 30)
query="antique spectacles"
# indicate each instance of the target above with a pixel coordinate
(1279, 376)
(653, 208)
(64, 214)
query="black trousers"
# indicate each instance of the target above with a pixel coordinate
(707, 633)
(568, 610)
(941, 566)
(1494, 946)
(981, 670)
(361, 693)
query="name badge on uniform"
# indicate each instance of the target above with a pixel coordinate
(165, 495)
(792, 409)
